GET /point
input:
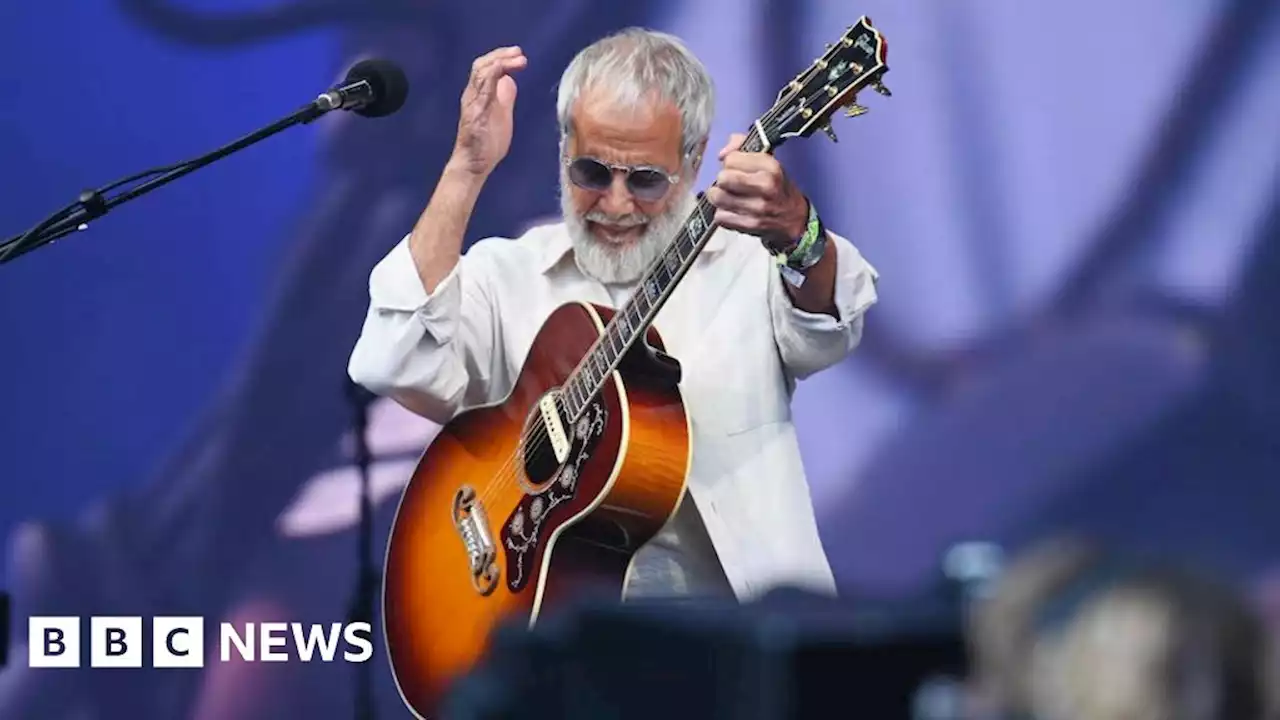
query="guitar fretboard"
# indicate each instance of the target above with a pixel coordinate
(632, 321)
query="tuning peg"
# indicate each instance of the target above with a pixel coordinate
(855, 110)
(880, 88)
(830, 133)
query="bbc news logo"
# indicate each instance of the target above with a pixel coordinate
(179, 642)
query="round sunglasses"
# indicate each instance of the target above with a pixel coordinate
(645, 183)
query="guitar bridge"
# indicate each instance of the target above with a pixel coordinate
(555, 427)
(472, 524)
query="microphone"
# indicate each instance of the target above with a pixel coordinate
(372, 88)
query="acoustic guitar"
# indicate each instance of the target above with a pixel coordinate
(518, 505)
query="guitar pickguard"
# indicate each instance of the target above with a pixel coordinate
(526, 530)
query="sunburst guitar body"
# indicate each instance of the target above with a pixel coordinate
(518, 506)
(494, 527)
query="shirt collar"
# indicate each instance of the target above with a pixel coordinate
(557, 246)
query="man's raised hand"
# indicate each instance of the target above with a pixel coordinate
(485, 124)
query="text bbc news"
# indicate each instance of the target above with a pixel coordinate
(179, 642)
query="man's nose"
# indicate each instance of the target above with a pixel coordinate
(617, 200)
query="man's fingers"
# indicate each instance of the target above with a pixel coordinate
(494, 55)
(735, 142)
(735, 202)
(500, 67)
(752, 162)
(742, 222)
(749, 182)
(514, 64)
(487, 69)
(500, 62)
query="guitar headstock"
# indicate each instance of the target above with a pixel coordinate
(856, 61)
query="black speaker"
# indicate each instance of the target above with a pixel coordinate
(6, 624)
(790, 655)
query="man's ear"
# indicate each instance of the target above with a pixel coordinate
(565, 134)
(696, 161)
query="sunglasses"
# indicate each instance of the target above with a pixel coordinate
(645, 183)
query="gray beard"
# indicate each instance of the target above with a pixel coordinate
(609, 263)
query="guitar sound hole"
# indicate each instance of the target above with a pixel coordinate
(540, 464)
(549, 503)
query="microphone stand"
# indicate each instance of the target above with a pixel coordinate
(361, 607)
(93, 204)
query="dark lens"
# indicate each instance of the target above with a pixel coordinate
(647, 184)
(590, 174)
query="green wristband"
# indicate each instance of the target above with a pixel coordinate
(806, 253)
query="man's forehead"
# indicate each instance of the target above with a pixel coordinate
(603, 125)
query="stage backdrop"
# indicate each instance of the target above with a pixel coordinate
(1073, 208)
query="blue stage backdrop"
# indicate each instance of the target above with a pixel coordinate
(1073, 207)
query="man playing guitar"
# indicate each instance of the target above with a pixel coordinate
(615, 387)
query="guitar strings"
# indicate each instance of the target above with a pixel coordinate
(767, 118)
(533, 439)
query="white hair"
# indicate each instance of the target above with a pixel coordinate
(634, 65)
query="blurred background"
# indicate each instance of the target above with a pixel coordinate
(1074, 207)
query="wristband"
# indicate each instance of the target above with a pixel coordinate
(808, 251)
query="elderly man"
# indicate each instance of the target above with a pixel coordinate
(445, 331)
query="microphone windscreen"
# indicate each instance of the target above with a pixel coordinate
(390, 86)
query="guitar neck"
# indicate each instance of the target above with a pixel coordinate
(632, 321)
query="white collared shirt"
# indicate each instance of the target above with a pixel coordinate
(741, 343)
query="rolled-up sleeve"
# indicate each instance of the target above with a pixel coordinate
(434, 353)
(811, 342)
